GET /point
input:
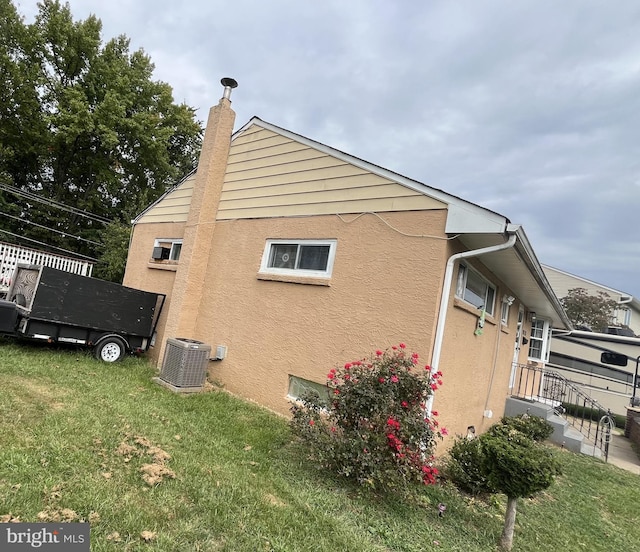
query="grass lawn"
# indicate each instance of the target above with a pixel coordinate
(80, 439)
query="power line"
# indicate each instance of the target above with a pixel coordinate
(71, 253)
(52, 229)
(53, 203)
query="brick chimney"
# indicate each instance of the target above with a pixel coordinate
(201, 223)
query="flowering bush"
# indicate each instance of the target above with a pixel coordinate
(373, 428)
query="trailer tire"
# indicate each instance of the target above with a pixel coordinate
(111, 349)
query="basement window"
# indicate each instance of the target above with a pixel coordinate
(298, 387)
(474, 289)
(166, 249)
(299, 257)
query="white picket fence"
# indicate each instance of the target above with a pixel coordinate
(11, 255)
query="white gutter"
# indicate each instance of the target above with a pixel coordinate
(446, 291)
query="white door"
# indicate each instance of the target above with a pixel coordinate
(516, 349)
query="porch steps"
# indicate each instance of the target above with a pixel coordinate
(564, 434)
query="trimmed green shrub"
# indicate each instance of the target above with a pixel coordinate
(463, 467)
(534, 427)
(592, 414)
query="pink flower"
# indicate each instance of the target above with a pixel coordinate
(391, 422)
(333, 429)
(394, 379)
(331, 375)
(434, 412)
(311, 423)
(427, 368)
(402, 346)
(347, 377)
(379, 352)
(394, 348)
(336, 391)
(434, 386)
(381, 380)
(444, 431)
(405, 404)
(347, 366)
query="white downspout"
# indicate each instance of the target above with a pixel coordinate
(444, 299)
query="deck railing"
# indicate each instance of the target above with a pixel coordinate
(583, 412)
(11, 255)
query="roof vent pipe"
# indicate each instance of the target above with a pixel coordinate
(229, 84)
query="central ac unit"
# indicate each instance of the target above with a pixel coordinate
(185, 362)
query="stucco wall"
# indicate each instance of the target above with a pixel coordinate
(476, 368)
(143, 272)
(385, 288)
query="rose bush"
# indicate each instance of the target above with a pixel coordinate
(372, 426)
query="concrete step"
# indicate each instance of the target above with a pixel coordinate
(564, 434)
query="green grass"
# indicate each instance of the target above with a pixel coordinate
(75, 433)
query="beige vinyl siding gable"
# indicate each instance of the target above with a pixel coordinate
(271, 175)
(174, 207)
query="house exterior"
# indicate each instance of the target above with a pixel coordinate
(628, 311)
(295, 256)
(578, 355)
(603, 366)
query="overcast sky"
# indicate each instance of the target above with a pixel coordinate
(528, 108)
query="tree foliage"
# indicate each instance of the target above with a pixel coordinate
(510, 459)
(84, 124)
(592, 311)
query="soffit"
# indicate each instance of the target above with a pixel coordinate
(518, 272)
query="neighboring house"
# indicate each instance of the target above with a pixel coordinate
(296, 256)
(603, 366)
(578, 355)
(627, 313)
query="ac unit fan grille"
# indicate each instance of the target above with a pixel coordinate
(185, 362)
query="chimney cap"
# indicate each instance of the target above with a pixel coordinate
(229, 82)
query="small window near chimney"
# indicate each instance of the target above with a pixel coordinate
(166, 249)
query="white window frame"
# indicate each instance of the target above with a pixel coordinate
(621, 312)
(463, 274)
(326, 273)
(504, 314)
(174, 249)
(544, 339)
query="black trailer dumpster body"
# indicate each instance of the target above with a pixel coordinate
(49, 304)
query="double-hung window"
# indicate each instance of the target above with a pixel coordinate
(474, 289)
(539, 340)
(299, 257)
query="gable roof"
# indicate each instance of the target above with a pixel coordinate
(464, 216)
(562, 281)
(267, 164)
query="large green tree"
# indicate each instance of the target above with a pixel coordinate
(592, 311)
(82, 125)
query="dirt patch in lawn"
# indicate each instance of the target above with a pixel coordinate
(27, 392)
(156, 470)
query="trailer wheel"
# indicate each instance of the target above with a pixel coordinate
(111, 349)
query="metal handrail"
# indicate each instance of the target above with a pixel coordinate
(549, 387)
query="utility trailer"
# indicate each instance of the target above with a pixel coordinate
(57, 306)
